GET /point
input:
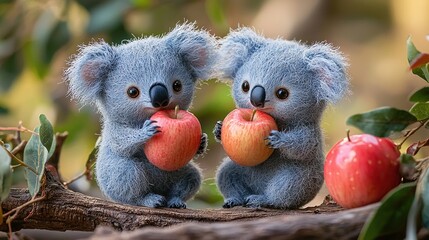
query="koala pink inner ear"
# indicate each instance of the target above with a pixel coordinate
(90, 71)
(325, 77)
(200, 60)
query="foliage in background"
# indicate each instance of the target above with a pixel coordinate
(36, 152)
(37, 37)
(33, 32)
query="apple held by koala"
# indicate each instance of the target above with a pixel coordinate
(361, 169)
(177, 142)
(243, 136)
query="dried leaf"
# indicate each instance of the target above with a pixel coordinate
(420, 60)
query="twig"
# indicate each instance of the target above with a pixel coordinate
(19, 129)
(84, 173)
(19, 160)
(66, 184)
(54, 160)
(19, 208)
(16, 166)
(411, 132)
(18, 138)
(19, 148)
(9, 226)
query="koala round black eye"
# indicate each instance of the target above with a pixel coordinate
(245, 86)
(177, 86)
(282, 93)
(133, 92)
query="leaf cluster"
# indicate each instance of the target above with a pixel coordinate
(405, 210)
(33, 155)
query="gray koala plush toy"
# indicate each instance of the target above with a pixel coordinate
(293, 83)
(128, 83)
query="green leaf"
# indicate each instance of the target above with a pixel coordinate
(35, 156)
(425, 198)
(4, 110)
(383, 121)
(141, 3)
(33, 59)
(107, 16)
(49, 35)
(421, 95)
(420, 110)
(408, 166)
(407, 159)
(214, 9)
(412, 53)
(10, 69)
(391, 217)
(5, 174)
(92, 158)
(46, 132)
(209, 193)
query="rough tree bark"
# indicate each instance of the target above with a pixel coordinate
(340, 225)
(64, 210)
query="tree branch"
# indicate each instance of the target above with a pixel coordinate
(64, 210)
(341, 225)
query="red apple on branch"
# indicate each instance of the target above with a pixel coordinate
(243, 136)
(178, 141)
(361, 169)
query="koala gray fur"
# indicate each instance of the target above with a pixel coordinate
(108, 77)
(312, 76)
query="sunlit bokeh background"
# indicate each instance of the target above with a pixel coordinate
(38, 37)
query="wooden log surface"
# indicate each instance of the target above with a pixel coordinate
(63, 209)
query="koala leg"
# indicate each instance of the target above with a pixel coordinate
(231, 182)
(291, 190)
(186, 183)
(152, 200)
(121, 179)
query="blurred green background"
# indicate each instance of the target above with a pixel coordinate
(38, 37)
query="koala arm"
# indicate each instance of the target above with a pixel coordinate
(127, 140)
(203, 145)
(296, 143)
(217, 131)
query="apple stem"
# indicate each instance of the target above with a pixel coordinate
(348, 135)
(253, 115)
(176, 111)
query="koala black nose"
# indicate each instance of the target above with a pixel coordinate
(257, 96)
(159, 95)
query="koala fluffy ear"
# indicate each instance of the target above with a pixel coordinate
(88, 70)
(330, 68)
(197, 49)
(236, 48)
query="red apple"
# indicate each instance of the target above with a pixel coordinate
(361, 170)
(178, 141)
(243, 136)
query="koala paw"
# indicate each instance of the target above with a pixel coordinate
(176, 203)
(203, 144)
(232, 202)
(150, 128)
(255, 201)
(217, 131)
(274, 140)
(154, 200)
